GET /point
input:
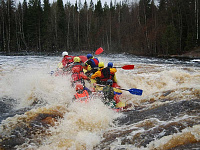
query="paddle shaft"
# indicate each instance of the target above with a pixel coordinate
(132, 91)
(124, 89)
(125, 67)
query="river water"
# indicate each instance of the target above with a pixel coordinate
(37, 112)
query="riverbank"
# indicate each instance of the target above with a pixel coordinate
(192, 54)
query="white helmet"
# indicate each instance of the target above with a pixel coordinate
(64, 53)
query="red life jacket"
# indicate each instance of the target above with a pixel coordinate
(83, 97)
(76, 77)
(67, 60)
(116, 98)
(95, 61)
(80, 66)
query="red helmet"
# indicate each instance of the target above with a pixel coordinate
(79, 87)
(76, 69)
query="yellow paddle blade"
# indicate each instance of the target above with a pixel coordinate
(117, 90)
(120, 104)
(98, 88)
(93, 81)
(89, 68)
(84, 70)
(60, 65)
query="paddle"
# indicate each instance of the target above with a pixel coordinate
(99, 51)
(120, 104)
(126, 67)
(60, 65)
(134, 91)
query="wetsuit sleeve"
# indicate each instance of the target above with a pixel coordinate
(96, 74)
(84, 76)
(88, 90)
(115, 79)
(88, 63)
(113, 70)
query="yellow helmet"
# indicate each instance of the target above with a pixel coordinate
(101, 64)
(76, 59)
(89, 68)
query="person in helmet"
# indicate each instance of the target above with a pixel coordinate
(77, 63)
(91, 64)
(82, 94)
(78, 76)
(111, 95)
(110, 65)
(103, 74)
(77, 60)
(108, 93)
(66, 59)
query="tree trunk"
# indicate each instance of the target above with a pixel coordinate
(197, 20)
(22, 31)
(110, 31)
(17, 32)
(68, 31)
(3, 27)
(78, 31)
(39, 37)
(180, 29)
(8, 33)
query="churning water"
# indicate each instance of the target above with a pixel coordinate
(37, 112)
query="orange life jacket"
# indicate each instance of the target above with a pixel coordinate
(83, 97)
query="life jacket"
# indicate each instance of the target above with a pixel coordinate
(67, 60)
(77, 78)
(108, 92)
(106, 74)
(93, 62)
(116, 98)
(78, 65)
(83, 97)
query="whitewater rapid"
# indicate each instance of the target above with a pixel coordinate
(37, 111)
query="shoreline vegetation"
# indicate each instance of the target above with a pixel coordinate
(193, 54)
(168, 28)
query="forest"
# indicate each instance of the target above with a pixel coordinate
(170, 27)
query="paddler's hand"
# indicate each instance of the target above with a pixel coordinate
(90, 75)
(94, 84)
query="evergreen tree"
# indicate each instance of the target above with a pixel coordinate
(140, 27)
(47, 26)
(61, 26)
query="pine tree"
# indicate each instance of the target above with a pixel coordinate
(61, 26)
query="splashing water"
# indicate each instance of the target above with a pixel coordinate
(37, 111)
